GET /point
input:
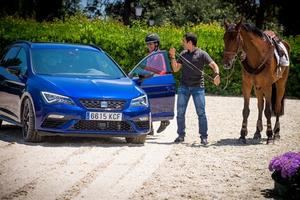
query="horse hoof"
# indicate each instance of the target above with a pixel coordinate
(242, 140)
(270, 140)
(276, 137)
(257, 136)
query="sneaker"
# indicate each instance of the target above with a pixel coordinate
(179, 139)
(163, 126)
(204, 141)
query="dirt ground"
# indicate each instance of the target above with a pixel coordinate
(101, 168)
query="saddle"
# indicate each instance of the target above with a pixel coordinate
(280, 52)
(275, 40)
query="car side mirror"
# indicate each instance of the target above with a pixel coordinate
(144, 76)
(141, 76)
(16, 70)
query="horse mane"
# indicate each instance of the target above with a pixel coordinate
(253, 29)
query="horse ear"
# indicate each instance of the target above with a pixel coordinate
(238, 26)
(226, 24)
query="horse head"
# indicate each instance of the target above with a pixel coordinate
(232, 43)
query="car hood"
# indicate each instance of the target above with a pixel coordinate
(75, 87)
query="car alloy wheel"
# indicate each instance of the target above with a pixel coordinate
(28, 123)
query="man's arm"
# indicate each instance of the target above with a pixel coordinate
(175, 65)
(215, 68)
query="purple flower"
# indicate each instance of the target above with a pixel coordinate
(288, 164)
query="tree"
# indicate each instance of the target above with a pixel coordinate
(97, 8)
(70, 7)
(199, 11)
(267, 13)
(39, 9)
(178, 12)
(260, 12)
(288, 17)
(122, 10)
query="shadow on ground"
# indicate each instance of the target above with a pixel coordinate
(12, 134)
(272, 194)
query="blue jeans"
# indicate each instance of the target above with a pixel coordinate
(198, 94)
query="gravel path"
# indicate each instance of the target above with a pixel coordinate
(225, 169)
(77, 168)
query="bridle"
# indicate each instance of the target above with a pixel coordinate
(233, 54)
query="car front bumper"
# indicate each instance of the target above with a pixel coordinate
(70, 120)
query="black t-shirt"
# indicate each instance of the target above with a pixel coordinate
(190, 76)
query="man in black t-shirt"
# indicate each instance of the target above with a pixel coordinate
(192, 61)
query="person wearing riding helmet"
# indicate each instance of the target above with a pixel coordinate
(156, 63)
(152, 40)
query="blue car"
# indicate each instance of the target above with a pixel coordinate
(79, 90)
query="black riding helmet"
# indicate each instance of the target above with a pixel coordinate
(152, 37)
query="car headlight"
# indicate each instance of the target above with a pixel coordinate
(140, 101)
(52, 98)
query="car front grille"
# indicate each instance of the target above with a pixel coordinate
(142, 124)
(53, 123)
(103, 104)
(102, 125)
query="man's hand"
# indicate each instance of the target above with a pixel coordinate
(217, 80)
(176, 66)
(172, 53)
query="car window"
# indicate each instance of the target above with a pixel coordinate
(74, 62)
(155, 63)
(9, 58)
(22, 60)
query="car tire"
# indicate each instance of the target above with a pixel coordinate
(136, 140)
(28, 123)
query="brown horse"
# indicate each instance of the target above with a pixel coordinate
(259, 70)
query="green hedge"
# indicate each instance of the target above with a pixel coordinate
(126, 44)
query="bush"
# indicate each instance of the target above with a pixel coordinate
(126, 44)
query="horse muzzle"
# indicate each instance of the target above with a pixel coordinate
(227, 66)
(227, 63)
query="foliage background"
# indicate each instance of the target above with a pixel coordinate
(126, 44)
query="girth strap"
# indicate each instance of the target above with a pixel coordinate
(251, 70)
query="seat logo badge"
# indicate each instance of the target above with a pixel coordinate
(104, 104)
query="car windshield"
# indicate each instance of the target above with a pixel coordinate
(74, 62)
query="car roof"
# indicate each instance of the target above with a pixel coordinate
(54, 45)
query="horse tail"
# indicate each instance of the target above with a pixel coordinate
(274, 88)
(274, 94)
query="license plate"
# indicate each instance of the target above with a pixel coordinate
(104, 116)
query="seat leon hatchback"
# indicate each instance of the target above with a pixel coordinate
(79, 90)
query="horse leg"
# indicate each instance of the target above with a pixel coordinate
(279, 104)
(246, 111)
(279, 96)
(268, 112)
(260, 106)
(276, 129)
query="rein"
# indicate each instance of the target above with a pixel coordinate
(193, 67)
